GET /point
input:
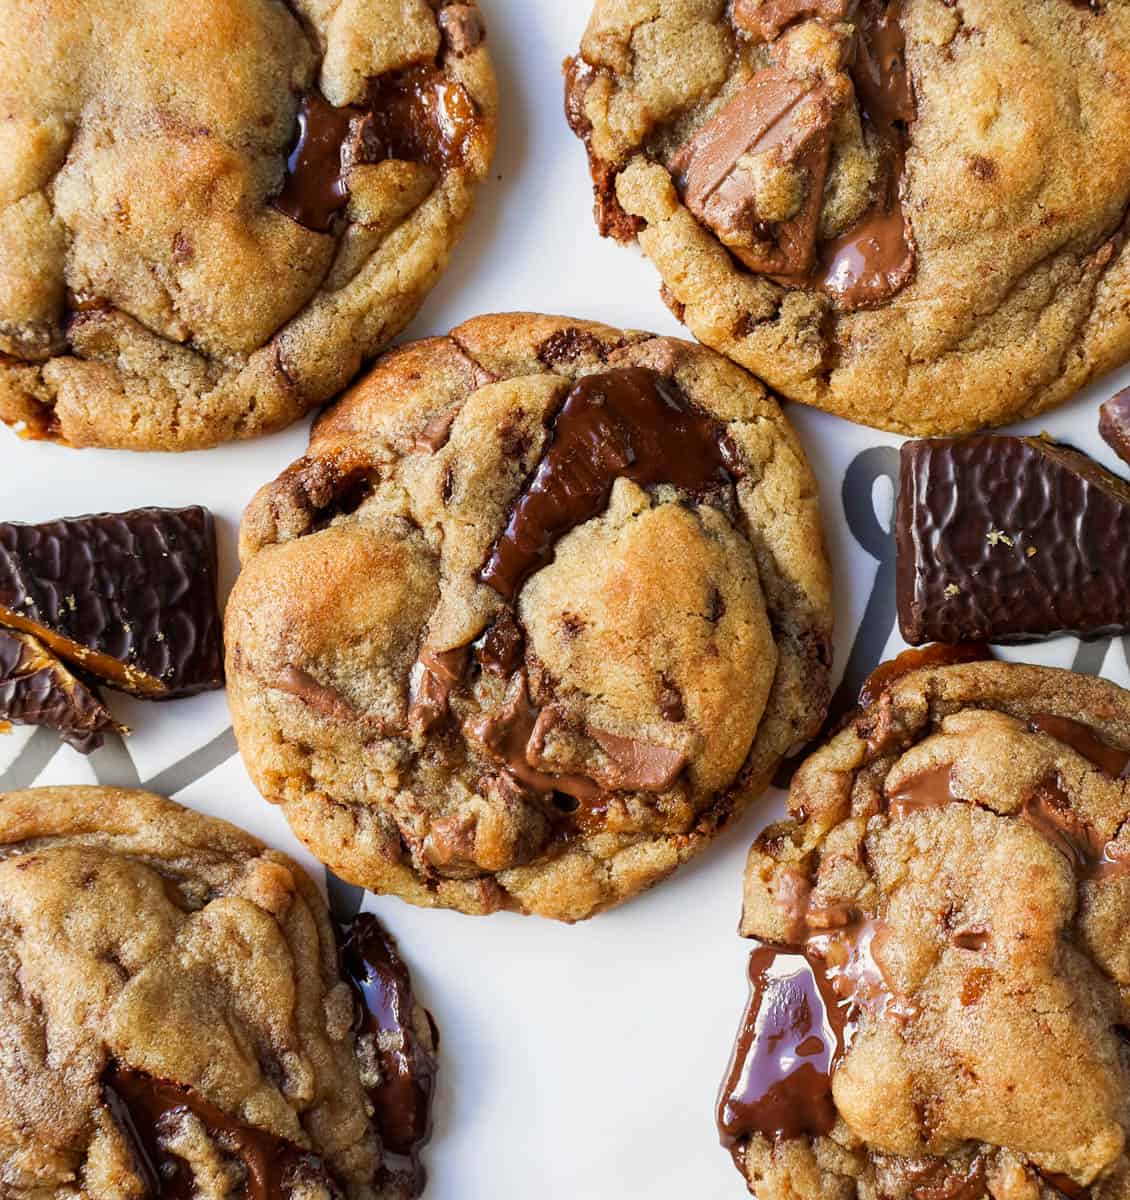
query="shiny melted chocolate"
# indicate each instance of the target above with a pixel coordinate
(144, 1108)
(887, 674)
(417, 115)
(631, 422)
(402, 1095)
(1111, 760)
(779, 1083)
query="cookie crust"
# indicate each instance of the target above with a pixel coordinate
(1017, 203)
(675, 648)
(140, 941)
(956, 869)
(158, 287)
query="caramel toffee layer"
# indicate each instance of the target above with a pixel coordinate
(809, 996)
(416, 115)
(780, 120)
(631, 422)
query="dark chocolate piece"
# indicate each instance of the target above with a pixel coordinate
(142, 1106)
(632, 422)
(37, 689)
(1006, 539)
(416, 115)
(1114, 423)
(889, 673)
(128, 597)
(404, 1079)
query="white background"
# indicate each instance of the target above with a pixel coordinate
(576, 1062)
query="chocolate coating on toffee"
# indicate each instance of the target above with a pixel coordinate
(1005, 539)
(128, 597)
(417, 115)
(37, 689)
(1114, 423)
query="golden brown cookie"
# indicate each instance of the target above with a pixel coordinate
(211, 214)
(537, 615)
(178, 1019)
(912, 213)
(941, 986)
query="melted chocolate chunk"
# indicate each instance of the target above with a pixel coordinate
(503, 646)
(1114, 424)
(631, 422)
(1006, 539)
(402, 1094)
(416, 115)
(765, 20)
(434, 677)
(779, 1083)
(128, 597)
(37, 689)
(887, 674)
(1112, 760)
(145, 1107)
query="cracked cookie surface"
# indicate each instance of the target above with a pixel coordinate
(177, 1021)
(912, 213)
(538, 614)
(941, 929)
(211, 215)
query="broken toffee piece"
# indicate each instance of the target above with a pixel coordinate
(416, 115)
(129, 598)
(37, 689)
(147, 1110)
(397, 1069)
(1007, 539)
(1114, 423)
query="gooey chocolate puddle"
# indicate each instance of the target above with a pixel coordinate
(145, 1108)
(404, 1084)
(418, 115)
(632, 422)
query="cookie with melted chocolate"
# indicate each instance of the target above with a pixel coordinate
(206, 1038)
(858, 203)
(212, 214)
(535, 617)
(938, 977)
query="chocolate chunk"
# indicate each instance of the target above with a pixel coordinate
(128, 597)
(37, 689)
(779, 126)
(632, 422)
(1006, 539)
(416, 115)
(1112, 760)
(887, 674)
(611, 220)
(779, 1084)
(765, 20)
(1114, 424)
(637, 766)
(143, 1108)
(404, 1080)
(503, 646)
(435, 676)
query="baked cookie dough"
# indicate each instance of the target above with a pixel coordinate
(211, 214)
(912, 213)
(177, 1021)
(941, 986)
(535, 617)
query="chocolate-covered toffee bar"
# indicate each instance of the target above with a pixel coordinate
(37, 689)
(1008, 539)
(128, 597)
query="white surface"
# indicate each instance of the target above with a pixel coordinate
(576, 1062)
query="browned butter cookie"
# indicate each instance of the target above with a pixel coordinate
(210, 214)
(912, 213)
(535, 617)
(939, 1005)
(180, 1021)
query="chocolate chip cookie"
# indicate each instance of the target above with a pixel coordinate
(941, 975)
(535, 617)
(210, 214)
(179, 1021)
(912, 213)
